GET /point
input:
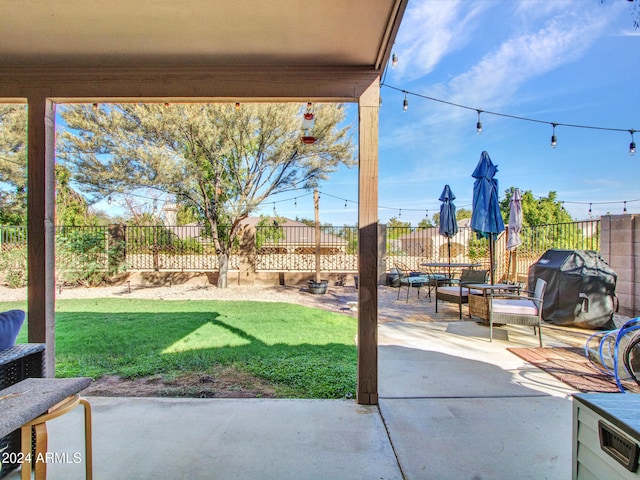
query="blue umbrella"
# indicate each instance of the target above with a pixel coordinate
(448, 223)
(486, 218)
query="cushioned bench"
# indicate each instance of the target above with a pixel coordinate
(459, 293)
(27, 405)
(25, 360)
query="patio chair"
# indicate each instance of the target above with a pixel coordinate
(518, 310)
(459, 293)
(410, 279)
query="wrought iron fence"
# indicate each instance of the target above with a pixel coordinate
(289, 248)
(171, 248)
(413, 246)
(293, 248)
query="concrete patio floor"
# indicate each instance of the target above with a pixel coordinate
(452, 406)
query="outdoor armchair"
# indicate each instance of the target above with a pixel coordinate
(459, 293)
(410, 279)
(518, 310)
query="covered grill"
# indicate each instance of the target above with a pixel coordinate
(580, 288)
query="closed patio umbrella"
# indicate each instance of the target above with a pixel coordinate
(486, 218)
(448, 224)
(514, 228)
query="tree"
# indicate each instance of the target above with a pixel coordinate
(397, 228)
(536, 211)
(13, 164)
(425, 223)
(222, 160)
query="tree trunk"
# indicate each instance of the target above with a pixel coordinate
(223, 268)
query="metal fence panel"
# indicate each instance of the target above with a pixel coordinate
(293, 248)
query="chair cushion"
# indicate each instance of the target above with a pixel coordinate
(417, 281)
(10, 323)
(456, 291)
(513, 306)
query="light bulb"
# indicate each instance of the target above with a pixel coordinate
(394, 60)
(632, 145)
(554, 139)
(405, 104)
(479, 124)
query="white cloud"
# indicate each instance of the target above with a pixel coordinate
(430, 30)
(495, 79)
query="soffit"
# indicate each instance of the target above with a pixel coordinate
(266, 33)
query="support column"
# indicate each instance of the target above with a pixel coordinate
(41, 226)
(369, 105)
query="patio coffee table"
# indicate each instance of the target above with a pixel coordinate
(479, 304)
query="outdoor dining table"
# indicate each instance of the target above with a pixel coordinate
(448, 265)
(479, 304)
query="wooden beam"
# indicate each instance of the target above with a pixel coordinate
(196, 84)
(369, 105)
(41, 226)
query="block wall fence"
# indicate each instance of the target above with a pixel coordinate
(620, 248)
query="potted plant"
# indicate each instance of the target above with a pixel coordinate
(318, 287)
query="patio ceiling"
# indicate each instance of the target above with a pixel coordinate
(68, 38)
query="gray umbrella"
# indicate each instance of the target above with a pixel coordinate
(448, 223)
(515, 220)
(513, 229)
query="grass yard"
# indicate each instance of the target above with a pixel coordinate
(302, 352)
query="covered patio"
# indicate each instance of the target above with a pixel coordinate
(92, 52)
(452, 405)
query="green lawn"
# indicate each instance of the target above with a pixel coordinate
(303, 352)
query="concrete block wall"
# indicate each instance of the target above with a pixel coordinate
(620, 247)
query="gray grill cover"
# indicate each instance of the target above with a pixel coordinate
(581, 288)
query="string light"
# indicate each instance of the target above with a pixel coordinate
(405, 104)
(394, 60)
(625, 207)
(590, 210)
(399, 213)
(295, 202)
(345, 204)
(632, 145)
(237, 105)
(479, 124)
(554, 139)
(515, 117)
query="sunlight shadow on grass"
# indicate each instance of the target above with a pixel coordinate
(207, 336)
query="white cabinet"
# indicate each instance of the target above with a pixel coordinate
(606, 436)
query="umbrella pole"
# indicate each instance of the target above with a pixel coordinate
(491, 257)
(449, 251)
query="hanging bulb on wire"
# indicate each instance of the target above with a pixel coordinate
(394, 60)
(632, 145)
(295, 202)
(590, 212)
(405, 104)
(479, 124)
(554, 139)
(625, 207)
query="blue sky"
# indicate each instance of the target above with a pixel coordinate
(564, 61)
